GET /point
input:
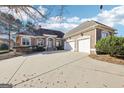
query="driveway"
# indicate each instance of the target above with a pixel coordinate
(60, 69)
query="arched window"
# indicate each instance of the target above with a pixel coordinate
(40, 42)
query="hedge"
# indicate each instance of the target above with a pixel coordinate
(112, 45)
(4, 47)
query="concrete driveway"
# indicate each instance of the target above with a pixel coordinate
(60, 69)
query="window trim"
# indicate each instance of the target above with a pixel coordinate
(26, 38)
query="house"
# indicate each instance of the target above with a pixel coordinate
(50, 39)
(6, 41)
(83, 38)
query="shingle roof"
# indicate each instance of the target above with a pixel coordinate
(85, 25)
(50, 32)
(42, 31)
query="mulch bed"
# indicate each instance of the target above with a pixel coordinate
(108, 58)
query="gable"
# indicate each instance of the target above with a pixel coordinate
(86, 26)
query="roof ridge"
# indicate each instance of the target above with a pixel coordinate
(85, 25)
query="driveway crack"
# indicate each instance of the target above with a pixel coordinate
(17, 70)
(70, 62)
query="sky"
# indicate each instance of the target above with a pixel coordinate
(73, 15)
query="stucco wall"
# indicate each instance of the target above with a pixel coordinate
(33, 41)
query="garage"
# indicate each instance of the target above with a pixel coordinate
(69, 46)
(84, 45)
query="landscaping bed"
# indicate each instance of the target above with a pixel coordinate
(109, 59)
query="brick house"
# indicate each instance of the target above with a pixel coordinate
(50, 39)
(83, 38)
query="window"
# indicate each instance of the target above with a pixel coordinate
(25, 41)
(41, 42)
(104, 34)
(57, 43)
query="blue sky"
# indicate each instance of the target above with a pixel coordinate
(73, 15)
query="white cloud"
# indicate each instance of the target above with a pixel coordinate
(112, 17)
(56, 19)
(58, 26)
(74, 19)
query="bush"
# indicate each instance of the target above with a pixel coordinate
(40, 48)
(60, 48)
(4, 47)
(111, 45)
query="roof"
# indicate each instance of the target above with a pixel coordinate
(42, 31)
(85, 25)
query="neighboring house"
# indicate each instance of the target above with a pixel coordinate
(6, 41)
(83, 38)
(50, 39)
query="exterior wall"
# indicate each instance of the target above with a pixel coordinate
(90, 33)
(18, 40)
(34, 40)
(98, 34)
(95, 35)
(92, 38)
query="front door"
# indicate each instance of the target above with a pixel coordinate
(50, 43)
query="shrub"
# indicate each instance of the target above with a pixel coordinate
(60, 48)
(4, 47)
(40, 48)
(111, 45)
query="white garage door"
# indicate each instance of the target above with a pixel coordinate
(84, 45)
(69, 46)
